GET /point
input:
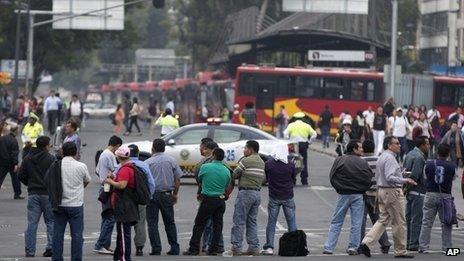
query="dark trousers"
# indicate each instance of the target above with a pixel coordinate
(303, 150)
(404, 147)
(369, 209)
(75, 217)
(123, 242)
(209, 207)
(164, 203)
(4, 170)
(133, 121)
(414, 204)
(52, 119)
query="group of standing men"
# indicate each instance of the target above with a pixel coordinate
(353, 178)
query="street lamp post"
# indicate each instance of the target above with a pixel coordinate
(394, 39)
(31, 25)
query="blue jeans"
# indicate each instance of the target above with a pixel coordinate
(414, 206)
(355, 204)
(106, 230)
(75, 217)
(245, 215)
(325, 132)
(162, 202)
(273, 208)
(208, 235)
(36, 206)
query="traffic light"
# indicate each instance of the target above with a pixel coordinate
(158, 3)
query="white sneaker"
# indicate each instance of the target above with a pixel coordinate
(104, 251)
(267, 252)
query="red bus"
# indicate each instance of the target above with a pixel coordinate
(448, 94)
(307, 90)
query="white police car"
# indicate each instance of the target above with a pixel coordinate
(183, 144)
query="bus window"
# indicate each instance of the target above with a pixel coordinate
(284, 88)
(307, 87)
(357, 90)
(334, 88)
(371, 91)
(247, 84)
(445, 95)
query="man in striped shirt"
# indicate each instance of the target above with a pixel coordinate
(369, 196)
(250, 175)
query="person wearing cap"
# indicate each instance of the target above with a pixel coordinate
(123, 201)
(74, 178)
(9, 151)
(300, 131)
(31, 131)
(344, 136)
(140, 228)
(167, 122)
(398, 128)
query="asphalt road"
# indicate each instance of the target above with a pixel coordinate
(314, 209)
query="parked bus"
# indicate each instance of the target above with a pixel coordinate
(307, 90)
(448, 94)
(310, 89)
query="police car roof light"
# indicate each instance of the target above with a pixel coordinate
(214, 121)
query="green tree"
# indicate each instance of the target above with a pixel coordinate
(199, 24)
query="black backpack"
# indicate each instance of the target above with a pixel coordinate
(293, 244)
(142, 193)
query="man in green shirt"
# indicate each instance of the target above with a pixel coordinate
(214, 178)
(250, 175)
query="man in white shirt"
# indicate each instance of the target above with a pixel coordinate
(170, 105)
(369, 115)
(457, 117)
(106, 165)
(398, 128)
(76, 110)
(432, 113)
(51, 109)
(75, 177)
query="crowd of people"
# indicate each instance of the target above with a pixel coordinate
(406, 188)
(409, 197)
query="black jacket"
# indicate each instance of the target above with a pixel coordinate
(33, 169)
(9, 150)
(350, 174)
(54, 184)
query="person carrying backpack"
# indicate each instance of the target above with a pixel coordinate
(440, 175)
(124, 202)
(140, 229)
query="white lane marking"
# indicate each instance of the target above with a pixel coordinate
(278, 225)
(322, 188)
(323, 199)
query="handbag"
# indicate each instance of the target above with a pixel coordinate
(449, 213)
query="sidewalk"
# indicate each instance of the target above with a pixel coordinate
(316, 146)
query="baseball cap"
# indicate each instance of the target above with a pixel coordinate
(347, 121)
(123, 152)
